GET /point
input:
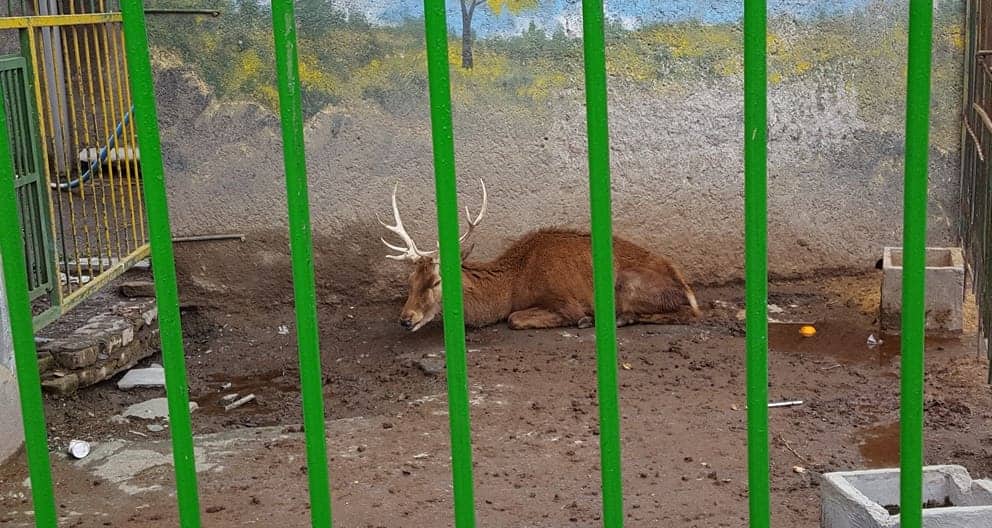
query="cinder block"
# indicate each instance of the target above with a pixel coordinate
(870, 499)
(74, 351)
(945, 276)
(61, 386)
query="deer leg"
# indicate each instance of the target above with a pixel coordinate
(533, 318)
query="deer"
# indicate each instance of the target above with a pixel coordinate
(542, 280)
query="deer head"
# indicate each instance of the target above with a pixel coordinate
(423, 301)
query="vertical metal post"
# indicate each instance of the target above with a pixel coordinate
(914, 261)
(163, 262)
(439, 83)
(598, 135)
(756, 258)
(22, 331)
(301, 247)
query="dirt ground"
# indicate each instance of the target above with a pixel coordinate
(534, 418)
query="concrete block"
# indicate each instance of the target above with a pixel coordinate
(74, 352)
(61, 385)
(945, 290)
(870, 499)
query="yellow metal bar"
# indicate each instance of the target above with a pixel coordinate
(140, 196)
(78, 65)
(101, 198)
(125, 144)
(107, 275)
(46, 167)
(21, 22)
(74, 144)
(49, 88)
(106, 105)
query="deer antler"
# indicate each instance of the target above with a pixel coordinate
(468, 214)
(410, 252)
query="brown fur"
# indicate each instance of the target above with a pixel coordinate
(544, 280)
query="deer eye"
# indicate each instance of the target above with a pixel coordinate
(436, 283)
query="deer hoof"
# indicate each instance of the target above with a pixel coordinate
(585, 322)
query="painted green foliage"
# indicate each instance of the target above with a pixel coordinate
(344, 59)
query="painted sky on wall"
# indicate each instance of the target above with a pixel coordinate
(552, 14)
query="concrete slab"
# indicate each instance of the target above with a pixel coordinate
(152, 409)
(870, 499)
(146, 377)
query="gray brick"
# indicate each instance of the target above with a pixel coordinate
(61, 386)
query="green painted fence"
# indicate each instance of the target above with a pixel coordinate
(756, 270)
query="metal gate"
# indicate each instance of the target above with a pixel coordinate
(32, 197)
(976, 191)
(76, 145)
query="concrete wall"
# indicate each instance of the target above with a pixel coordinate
(12, 435)
(836, 143)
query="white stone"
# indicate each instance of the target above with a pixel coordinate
(146, 377)
(153, 409)
(857, 499)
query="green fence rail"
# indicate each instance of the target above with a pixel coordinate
(756, 269)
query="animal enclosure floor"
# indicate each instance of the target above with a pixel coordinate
(534, 419)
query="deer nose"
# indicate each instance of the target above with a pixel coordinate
(406, 323)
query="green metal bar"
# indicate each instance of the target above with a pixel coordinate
(914, 262)
(301, 247)
(163, 262)
(598, 134)
(756, 258)
(15, 279)
(436, 28)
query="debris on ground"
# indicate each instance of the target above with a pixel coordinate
(142, 378)
(239, 403)
(283, 330)
(873, 341)
(228, 398)
(79, 449)
(155, 428)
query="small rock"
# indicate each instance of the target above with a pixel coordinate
(798, 469)
(387, 425)
(283, 330)
(431, 366)
(228, 398)
(119, 420)
(215, 509)
(147, 377)
(155, 428)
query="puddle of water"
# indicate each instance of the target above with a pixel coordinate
(879, 446)
(259, 384)
(846, 342)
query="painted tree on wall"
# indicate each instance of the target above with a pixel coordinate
(497, 7)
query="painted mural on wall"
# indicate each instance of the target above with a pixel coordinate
(836, 100)
(524, 53)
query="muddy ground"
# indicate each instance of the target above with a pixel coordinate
(534, 417)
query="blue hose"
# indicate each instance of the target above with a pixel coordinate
(111, 142)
